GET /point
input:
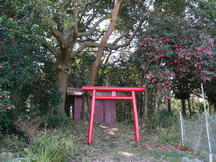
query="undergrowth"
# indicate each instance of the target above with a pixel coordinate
(50, 147)
(68, 142)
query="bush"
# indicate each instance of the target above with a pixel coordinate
(170, 139)
(6, 112)
(162, 120)
(53, 121)
(167, 119)
(50, 147)
(12, 143)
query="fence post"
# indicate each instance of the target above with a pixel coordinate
(207, 124)
(182, 131)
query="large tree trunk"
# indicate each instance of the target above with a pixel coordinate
(61, 82)
(103, 42)
(63, 72)
(183, 107)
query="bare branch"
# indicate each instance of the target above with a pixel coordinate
(57, 34)
(82, 47)
(119, 38)
(106, 59)
(90, 19)
(113, 46)
(101, 34)
(50, 48)
(92, 28)
(82, 14)
(92, 1)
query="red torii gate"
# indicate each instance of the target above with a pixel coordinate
(94, 89)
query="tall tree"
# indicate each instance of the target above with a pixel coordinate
(25, 68)
(175, 54)
(75, 27)
(104, 40)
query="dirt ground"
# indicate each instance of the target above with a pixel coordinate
(116, 143)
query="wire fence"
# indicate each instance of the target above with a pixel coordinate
(199, 133)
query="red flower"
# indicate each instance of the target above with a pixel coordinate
(178, 147)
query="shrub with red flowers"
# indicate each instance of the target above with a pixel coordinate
(175, 54)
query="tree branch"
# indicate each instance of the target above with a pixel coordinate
(73, 38)
(90, 19)
(104, 40)
(113, 46)
(51, 48)
(89, 32)
(75, 26)
(57, 34)
(115, 42)
(107, 58)
(101, 34)
(83, 46)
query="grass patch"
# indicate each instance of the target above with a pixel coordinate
(12, 143)
(170, 139)
(50, 147)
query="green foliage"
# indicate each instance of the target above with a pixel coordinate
(50, 147)
(174, 7)
(162, 120)
(121, 72)
(27, 71)
(5, 100)
(53, 121)
(29, 76)
(43, 95)
(170, 139)
(211, 91)
(20, 18)
(7, 112)
(168, 119)
(204, 12)
(80, 69)
(13, 143)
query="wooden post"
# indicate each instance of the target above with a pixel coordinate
(91, 120)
